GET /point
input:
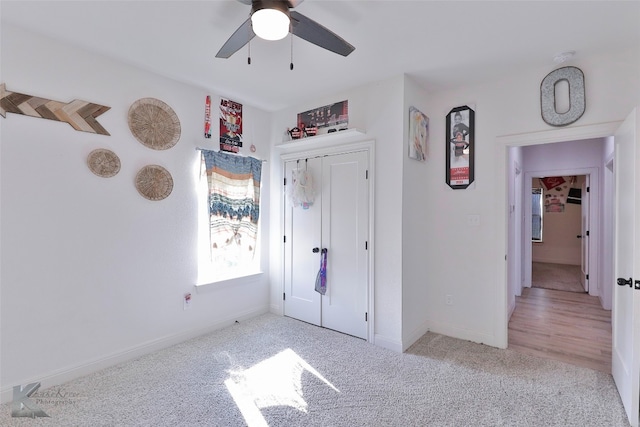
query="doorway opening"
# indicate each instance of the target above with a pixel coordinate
(560, 232)
(544, 319)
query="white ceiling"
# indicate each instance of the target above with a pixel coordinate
(441, 44)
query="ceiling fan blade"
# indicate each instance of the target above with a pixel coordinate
(315, 33)
(241, 37)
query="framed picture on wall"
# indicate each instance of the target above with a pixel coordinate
(460, 132)
(418, 134)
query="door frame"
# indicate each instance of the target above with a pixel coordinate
(504, 142)
(335, 146)
(625, 363)
(594, 234)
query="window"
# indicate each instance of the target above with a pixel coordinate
(536, 214)
(229, 206)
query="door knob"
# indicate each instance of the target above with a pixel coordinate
(624, 282)
(315, 250)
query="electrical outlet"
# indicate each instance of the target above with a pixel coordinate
(449, 299)
(187, 300)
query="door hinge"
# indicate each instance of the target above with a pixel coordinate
(366, 245)
(284, 239)
(587, 232)
(284, 296)
(285, 182)
(366, 317)
(588, 189)
(587, 277)
(366, 174)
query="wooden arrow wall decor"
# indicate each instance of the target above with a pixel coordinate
(81, 115)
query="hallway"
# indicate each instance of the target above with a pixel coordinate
(567, 326)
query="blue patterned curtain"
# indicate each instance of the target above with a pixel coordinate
(234, 206)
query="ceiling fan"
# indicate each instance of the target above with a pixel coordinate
(273, 20)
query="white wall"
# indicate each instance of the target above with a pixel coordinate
(415, 278)
(546, 159)
(607, 274)
(515, 232)
(377, 109)
(91, 272)
(473, 267)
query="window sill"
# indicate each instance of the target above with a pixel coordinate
(231, 280)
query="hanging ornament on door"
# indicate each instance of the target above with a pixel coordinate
(321, 278)
(302, 191)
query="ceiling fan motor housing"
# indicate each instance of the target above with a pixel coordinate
(282, 6)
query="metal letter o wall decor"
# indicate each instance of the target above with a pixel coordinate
(575, 78)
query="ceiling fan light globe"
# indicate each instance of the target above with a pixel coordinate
(270, 24)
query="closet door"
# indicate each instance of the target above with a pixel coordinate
(345, 227)
(337, 220)
(302, 234)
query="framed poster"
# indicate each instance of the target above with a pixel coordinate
(460, 132)
(418, 134)
(329, 116)
(230, 125)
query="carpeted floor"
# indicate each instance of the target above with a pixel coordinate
(276, 371)
(560, 277)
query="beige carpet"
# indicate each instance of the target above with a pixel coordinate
(560, 277)
(274, 371)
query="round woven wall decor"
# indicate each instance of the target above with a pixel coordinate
(103, 162)
(154, 182)
(154, 123)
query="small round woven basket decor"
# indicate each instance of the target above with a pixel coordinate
(154, 182)
(154, 123)
(103, 162)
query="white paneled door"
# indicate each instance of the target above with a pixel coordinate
(626, 296)
(336, 219)
(584, 232)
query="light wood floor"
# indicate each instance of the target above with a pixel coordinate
(566, 326)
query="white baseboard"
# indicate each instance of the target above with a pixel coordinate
(415, 336)
(388, 343)
(463, 334)
(64, 375)
(512, 307)
(276, 309)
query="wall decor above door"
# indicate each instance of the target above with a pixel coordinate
(81, 115)
(575, 77)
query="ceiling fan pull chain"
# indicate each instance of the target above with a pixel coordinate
(291, 64)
